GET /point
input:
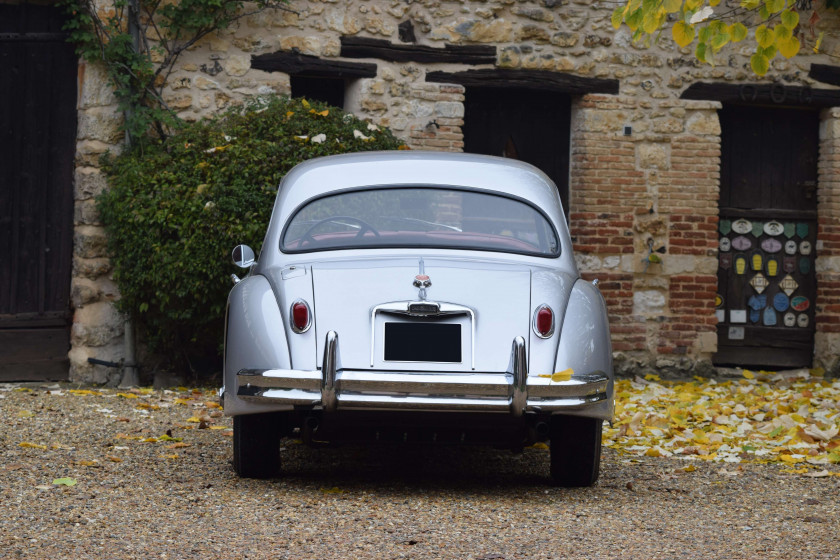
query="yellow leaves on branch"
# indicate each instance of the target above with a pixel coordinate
(697, 21)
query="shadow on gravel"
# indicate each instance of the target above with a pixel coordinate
(416, 468)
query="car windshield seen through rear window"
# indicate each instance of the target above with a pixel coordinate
(420, 217)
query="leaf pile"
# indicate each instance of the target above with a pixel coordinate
(762, 418)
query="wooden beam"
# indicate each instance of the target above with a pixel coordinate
(825, 73)
(541, 80)
(363, 47)
(297, 64)
(778, 95)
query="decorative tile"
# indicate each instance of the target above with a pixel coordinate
(740, 264)
(790, 247)
(790, 229)
(725, 226)
(772, 267)
(802, 230)
(804, 265)
(781, 302)
(789, 264)
(771, 245)
(757, 229)
(741, 243)
(757, 261)
(800, 303)
(742, 226)
(789, 319)
(802, 320)
(788, 285)
(774, 228)
(725, 244)
(759, 283)
(769, 317)
(757, 302)
(737, 315)
(805, 247)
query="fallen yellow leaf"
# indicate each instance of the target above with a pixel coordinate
(564, 375)
(32, 445)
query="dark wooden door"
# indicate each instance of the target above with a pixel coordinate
(37, 144)
(768, 232)
(532, 126)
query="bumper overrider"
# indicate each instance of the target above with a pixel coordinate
(331, 389)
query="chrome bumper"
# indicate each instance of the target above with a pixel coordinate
(514, 392)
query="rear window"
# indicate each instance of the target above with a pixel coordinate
(420, 217)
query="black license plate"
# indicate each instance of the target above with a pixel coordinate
(422, 342)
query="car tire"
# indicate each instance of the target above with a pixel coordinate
(575, 447)
(256, 444)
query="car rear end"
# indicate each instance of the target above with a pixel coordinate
(415, 311)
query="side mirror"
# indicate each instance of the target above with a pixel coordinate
(243, 256)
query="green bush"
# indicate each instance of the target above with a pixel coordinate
(175, 210)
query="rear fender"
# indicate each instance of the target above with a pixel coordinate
(585, 345)
(255, 338)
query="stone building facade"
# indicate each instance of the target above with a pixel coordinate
(644, 151)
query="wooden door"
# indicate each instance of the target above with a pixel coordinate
(37, 144)
(532, 126)
(768, 233)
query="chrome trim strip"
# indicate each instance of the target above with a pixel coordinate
(328, 367)
(404, 308)
(391, 402)
(455, 384)
(519, 365)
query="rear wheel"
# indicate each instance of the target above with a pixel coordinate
(256, 444)
(575, 450)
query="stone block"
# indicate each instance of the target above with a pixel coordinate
(536, 14)
(100, 123)
(237, 64)
(85, 212)
(94, 88)
(82, 371)
(89, 242)
(653, 156)
(91, 268)
(306, 44)
(668, 126)
(97, 324)
(565, 39)
(495, 31)
(706, 123)
(648, 302)
(83, 291)
(88, 152)
(450, 109)
(88, 182)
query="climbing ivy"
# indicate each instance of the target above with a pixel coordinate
(139, 42)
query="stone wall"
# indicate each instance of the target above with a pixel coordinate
(654, 188)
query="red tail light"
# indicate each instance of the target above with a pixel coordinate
(301, 316)
(544, 321)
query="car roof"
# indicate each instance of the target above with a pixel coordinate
(321, 176)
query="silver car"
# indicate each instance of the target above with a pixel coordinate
(418, 298)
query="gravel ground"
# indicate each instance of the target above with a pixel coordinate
(103, 474)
